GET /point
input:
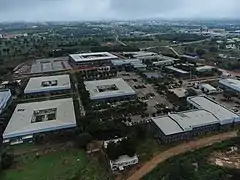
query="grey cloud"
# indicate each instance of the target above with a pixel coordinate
(44, 10)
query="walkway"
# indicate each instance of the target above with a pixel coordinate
(182, 148)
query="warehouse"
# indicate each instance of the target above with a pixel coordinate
(48, 84)
(207, 117)
(110, 89)
(225, 116)
(86, 59)
(207, 88)
(184, 125)
(230, 85)
(5, 99)
(39, 117)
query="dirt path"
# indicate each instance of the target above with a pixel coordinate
(192, 145)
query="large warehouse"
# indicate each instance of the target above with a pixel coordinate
(85, 59)
(209, 116)
(5, 99)
(48, 84)
(230, 84)
(109, 89)
(38, 117)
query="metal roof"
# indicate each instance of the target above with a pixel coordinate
(208, 87)
(123, 89)
(92, 56)
(21, 122)
(224, 115)
(175, 123)
(35, 84)
(177, 70)
(231, 83)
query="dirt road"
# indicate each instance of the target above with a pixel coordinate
(182, 148)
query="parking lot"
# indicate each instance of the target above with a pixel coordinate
(145, 92)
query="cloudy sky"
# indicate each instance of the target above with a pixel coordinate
(64, 10)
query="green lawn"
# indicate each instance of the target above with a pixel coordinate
(60, 165)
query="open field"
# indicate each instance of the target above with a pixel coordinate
(56, 165)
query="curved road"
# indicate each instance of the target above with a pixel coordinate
(182, 148)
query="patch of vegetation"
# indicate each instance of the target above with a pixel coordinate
(60, 165)
(194, 166)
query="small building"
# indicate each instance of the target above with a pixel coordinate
(204, 69)
(34, 118)
(178, 72)
(86, 59)
(207, 88)
(109, 89)
(48, 84)
(5, 99)
(230, 85)
(122, 162)
(179, 92)
(125, 63)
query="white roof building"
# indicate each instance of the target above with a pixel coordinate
(90, 57)
(224, 115)
(5, 96)
(109, 88)
(37, 117)
(233, 84)
(177, 70)
(47, 84)
(179, 92)
(204, 68)
(123, 161)
(208, 88)
(175, 123)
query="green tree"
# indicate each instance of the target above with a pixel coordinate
(83, 139)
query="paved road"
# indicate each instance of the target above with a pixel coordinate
(182, 148)
(120, 42)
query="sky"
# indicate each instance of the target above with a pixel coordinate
(80, 10)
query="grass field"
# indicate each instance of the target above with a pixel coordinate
(59, 165)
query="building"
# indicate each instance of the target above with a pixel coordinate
(204, 69)
(230, 85)
(42, 66)
(179, 92)
(5, 99)
(184, 125)
(48, 84)
(126, 63)
(122, 161)
(207, 88)
(178, 72)
(97, 59)
(207, 116)
(225, 116)
(109, 89)
(39, 117)
(139, 54)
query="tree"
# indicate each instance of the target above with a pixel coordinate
(7, 160)
(128, 146)
(83, 139)
(112, 151)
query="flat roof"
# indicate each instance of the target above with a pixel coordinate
(180, 122)
(180, 92)
(37, 117)
(48, 83)
(120, 62)
(204, 68)
(109, 88)
(92, 56)
(224, 115)
(50, 65)
(231, 83)
(177, 70)
(209, 87)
